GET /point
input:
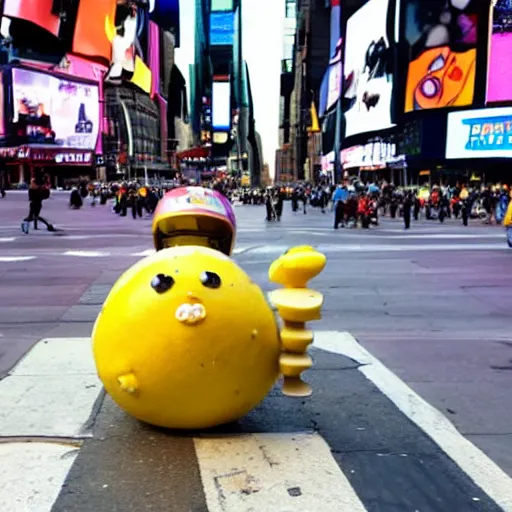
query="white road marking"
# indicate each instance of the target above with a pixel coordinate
(51, 392)
(345, 248)
(482, 470)
(87, 254)
(147, 252)
(6, 239)
(14, 259)
(32, 474)
(270, 472)
(279, 249)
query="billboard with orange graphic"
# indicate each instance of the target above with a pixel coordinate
(92, 32)
(38, 12)
(441, 36)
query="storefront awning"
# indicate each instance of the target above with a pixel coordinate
(197, 152)
(47, 155)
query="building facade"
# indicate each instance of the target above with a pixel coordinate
(222, 109)
(87, 95)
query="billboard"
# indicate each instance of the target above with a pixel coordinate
(51, 110)
(221, 106)
(91, 37)
(166, 14)
(483, 133)
(129, 36)
(499, 78)
(441, 38)
(335, 78)
(368, 82)
(222, 25)
(221, 5)
(38, 12)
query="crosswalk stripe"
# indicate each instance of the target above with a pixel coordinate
(87, 254)
(480, 468)
(7, 239)
(48, 396)
(287, 472)
(143, 254)
(14, 259)
(55, 387)
(32, 474)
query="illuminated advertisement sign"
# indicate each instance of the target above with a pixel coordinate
(335, 71)
(441, 38)
(499, 81)
(483, 133)
(129, 36)
(221, 108)
(368, 83)
(373, 154)
(38, 12)
(50, 110)
(91, 38)
(222, 26)
(222, 5)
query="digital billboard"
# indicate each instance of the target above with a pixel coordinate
(51, 110)
(499, 78)
(485, 133)
(166, 14)
(221, 5)
(368, 82)
(91, 37)
(335, 78)
(441, 37)
(38, 12)
(130, 46)
(222, 25)
(221, 106)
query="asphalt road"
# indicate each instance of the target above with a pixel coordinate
(432, 304)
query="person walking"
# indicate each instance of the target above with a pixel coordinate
(407, 205)
(339, 199)
(37, 193)
(2, 184)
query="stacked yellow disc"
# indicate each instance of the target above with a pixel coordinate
(296, 305)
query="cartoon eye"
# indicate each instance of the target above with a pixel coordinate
(437, 64)
(211, 280)
(162, 283)
(430, 87)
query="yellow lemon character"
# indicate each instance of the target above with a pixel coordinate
(186, 340)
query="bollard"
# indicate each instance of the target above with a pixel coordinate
(296, 305)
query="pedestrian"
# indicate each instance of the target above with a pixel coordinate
(37, 193)
(339, 198)
(407, 205)
(2, 184)
(507, 222)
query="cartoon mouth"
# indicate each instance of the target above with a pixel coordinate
(190, 314)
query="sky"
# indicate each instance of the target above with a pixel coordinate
(263, 27)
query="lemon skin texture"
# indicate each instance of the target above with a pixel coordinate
(186, 340)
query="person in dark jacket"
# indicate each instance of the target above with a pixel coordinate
(407, 205)
(37, 193)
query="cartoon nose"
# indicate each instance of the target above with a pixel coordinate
(191, 314)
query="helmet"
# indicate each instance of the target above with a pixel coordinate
(194, 216)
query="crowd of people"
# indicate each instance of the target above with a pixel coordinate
(352, 203)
